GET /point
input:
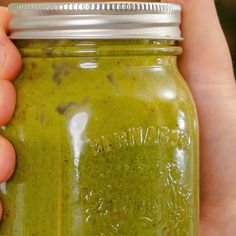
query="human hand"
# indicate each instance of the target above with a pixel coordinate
(10, 63)
(207, 67)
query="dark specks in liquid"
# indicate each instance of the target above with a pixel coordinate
(63, 109)
(152, 109)
(33, 65)
(58, 70)
(85, 100)
(49, 52)
(41, 118)
(110, 78)
(66, 72)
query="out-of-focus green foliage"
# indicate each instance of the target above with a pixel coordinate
(227, 13)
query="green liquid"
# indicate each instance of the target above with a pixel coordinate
(106, 145)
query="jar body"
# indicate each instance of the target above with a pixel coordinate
(106, 144)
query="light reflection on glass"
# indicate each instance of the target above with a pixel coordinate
(22, 135)
(157, 68)
(77, 125)
(181, 120)
(19, 205)
(180, 154)
(3, 127)
(88, 65)
(86, 51)
(3, 188)
(167, 94)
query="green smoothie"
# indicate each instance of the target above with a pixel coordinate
(106, 137)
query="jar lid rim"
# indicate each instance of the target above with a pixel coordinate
(116, 20)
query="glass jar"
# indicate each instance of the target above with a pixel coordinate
(106, 136)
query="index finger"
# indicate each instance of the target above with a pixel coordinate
(10, 59)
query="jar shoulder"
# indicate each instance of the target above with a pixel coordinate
(105, 77)
(64, 83)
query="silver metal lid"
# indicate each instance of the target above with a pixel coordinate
(98, 20)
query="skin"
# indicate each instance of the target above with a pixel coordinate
(10, 65)
(207, 66)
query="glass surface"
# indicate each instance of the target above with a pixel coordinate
(106, 137)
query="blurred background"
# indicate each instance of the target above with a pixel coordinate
(227, 14)
(226, 10)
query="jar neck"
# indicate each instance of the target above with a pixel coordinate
(97, 48)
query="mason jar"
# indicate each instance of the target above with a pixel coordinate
(105, 127)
